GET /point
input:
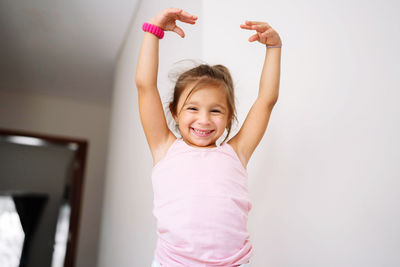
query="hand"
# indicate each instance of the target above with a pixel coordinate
(167, 18)
(265, 34)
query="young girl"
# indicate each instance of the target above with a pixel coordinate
(201, 200)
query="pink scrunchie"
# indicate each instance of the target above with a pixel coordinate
(157, 31)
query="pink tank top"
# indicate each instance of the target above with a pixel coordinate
(201, 204)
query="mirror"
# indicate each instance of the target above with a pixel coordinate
(41, 180)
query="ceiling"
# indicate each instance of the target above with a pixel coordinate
(62, 48)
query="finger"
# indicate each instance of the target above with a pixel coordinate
(187, 20)
(254, 37)
(188, 15)
(261, 27)
(185, 17)
(251, 22)
(246, 27)
(173, 10)
(258, 28)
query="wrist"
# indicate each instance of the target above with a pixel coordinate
(155, 22)
(154, 29)
(274, 46)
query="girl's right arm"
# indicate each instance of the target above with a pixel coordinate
(150, 107)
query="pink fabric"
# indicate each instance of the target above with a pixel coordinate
(157, 31)
(201, 204)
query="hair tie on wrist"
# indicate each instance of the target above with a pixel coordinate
(273, 46)
(157, 31)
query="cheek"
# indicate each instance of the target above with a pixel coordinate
(221, 122)
(186, 119)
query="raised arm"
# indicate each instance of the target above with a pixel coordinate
(253, 128)
(150, 106)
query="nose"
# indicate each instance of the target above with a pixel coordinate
(204, 118)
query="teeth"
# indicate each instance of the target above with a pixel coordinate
(202, 132)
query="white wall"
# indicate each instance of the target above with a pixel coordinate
(77, 119)
(128, 231)
(323, 180)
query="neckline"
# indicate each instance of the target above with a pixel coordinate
(199, 148)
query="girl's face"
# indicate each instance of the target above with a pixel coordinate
(204, 116)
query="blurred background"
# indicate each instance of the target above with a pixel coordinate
(324, 181)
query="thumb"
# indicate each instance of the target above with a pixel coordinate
(254, 37)
(179, 31)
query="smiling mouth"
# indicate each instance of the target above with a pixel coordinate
(200, 132)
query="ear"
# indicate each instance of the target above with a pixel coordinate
(229, 121)
(172, 112)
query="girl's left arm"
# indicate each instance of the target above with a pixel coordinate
(270, 76)
(253, 128)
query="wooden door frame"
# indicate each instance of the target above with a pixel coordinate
(75, 198)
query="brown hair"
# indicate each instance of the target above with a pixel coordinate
(205, 75)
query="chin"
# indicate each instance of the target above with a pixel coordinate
(204, 143)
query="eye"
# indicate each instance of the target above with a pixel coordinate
(215, 110)
(191, 108)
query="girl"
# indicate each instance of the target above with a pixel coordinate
(201, 200)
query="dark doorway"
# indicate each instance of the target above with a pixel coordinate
(41, 180)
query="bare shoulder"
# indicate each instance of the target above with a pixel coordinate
(234, 144)
(162, 150)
